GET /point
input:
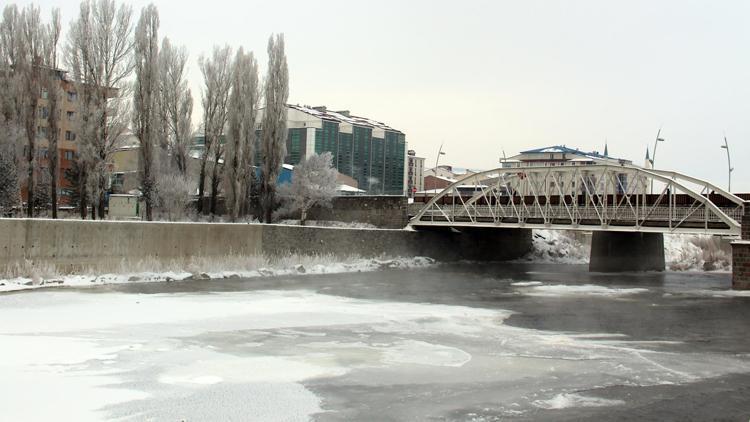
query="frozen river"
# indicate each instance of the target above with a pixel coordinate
(453, 342)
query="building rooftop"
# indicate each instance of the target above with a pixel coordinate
(562, 149)
(342, 117)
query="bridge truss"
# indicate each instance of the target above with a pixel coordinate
(587, 197)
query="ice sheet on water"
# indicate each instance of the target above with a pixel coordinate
(567, 400)
(168, 345)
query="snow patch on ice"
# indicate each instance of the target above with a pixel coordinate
(423, 353)
(581, 290)
(717, 293)
(567, 400)
(526, 283)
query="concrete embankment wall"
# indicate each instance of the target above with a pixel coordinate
(73, 243)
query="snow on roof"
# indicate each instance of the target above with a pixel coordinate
(347, 188)
(340, 117)
(565, 150)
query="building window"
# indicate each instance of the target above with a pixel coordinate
(45, 94)
(43, 112)
(70, 136)
(69, 155)
(72, 96)
(41, 132)
(71, 115)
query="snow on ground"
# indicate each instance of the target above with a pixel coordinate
(308, 265)
(555, 246)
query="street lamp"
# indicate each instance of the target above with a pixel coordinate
(729, 163)
(653, 157)
(437, 160)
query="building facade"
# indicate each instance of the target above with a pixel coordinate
(560, 155)
(415, 173)
(371, 152)
(67, 147)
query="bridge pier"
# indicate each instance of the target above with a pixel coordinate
(624, 251)
(474, 244)
(741, 255)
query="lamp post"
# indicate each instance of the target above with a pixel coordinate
(729, 163)
(437, 160)
(653, 157)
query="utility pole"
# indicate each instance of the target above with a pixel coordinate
(729, 163)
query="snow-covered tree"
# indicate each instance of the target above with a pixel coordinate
(98, 56)
(174, 192)
(54, 103)
(10, 197)
(145, 100)
(242, 112)
(313, 184)
(27, 55)
(175, 104)
(274, 130)
(217, 81)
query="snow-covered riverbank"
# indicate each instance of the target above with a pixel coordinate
(682, 252)
(205, 269)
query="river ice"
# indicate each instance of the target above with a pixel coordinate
(271, 354)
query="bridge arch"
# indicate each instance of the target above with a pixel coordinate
(587, 197)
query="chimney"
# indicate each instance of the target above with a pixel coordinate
(322, 109)
(344, 112)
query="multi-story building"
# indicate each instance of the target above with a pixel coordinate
(67, 148)
(415, 173)
(560, 155)
(371, 152)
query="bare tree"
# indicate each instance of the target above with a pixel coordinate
(242, 111)
(273, 145)
(53, 89)
(313, 184)
(98, 55)
(175, 104)
(145, 97)
(216, 72)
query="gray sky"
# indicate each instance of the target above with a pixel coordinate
(482, 76)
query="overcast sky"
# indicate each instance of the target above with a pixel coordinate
(483, 76)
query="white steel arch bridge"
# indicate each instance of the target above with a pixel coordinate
(601, 197)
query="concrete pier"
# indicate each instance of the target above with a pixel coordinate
(623, 251)
(741, 255)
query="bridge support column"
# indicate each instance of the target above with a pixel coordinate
(741, 255)
(623, 251)
(474, 244)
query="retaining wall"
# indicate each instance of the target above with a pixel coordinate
(72, 243)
